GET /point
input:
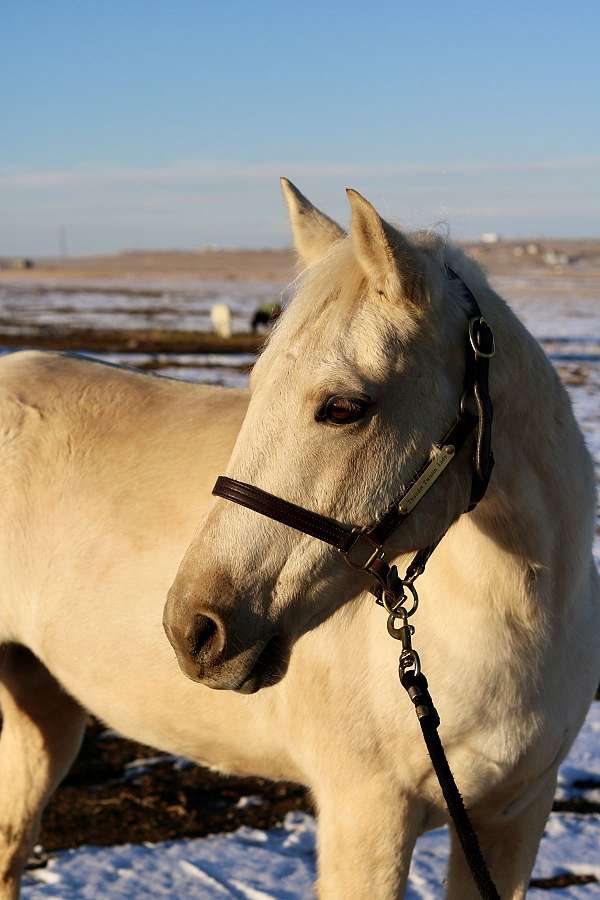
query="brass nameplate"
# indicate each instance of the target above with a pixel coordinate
(441, 456)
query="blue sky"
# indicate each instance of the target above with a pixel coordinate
(155, 124)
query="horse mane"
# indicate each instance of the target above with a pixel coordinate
(338, 277)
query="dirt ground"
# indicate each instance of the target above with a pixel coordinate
(217, 265)
(121, 792)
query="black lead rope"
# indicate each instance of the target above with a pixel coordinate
(414, 683)
(362, 548)
(416, 688)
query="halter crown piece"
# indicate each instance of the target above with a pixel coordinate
(363, 549)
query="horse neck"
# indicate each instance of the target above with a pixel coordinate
(538, 512)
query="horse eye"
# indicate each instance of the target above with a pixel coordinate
(342, 410)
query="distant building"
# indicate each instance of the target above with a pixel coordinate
(489, 237)
(532, 249)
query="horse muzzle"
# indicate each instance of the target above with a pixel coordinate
(224, 649)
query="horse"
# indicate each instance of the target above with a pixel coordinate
(359, 379)
(106, 477)
(265, 315)
(220, 317)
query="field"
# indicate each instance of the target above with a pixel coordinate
(121, 800)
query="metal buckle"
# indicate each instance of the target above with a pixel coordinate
(371, 552)
(475, 324)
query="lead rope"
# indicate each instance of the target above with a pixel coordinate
(393, 598)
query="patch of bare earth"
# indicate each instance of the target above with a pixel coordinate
(121, 792)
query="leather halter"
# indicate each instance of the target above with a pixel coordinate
(363, 547)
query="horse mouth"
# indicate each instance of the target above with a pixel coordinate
(269, 668)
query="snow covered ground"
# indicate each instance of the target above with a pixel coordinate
(280, 864)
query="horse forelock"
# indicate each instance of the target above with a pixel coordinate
(332, 318)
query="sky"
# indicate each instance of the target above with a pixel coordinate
(142, 124)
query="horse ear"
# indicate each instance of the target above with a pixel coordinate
(386, 256)
(313, 231)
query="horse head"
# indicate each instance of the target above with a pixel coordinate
(360, 377)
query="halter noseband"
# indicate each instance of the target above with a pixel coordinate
(363, 547)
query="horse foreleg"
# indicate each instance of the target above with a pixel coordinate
(509, 844)
(367, 832)
(42, 729)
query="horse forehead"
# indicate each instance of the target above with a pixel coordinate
(363, 338)
(349, 356)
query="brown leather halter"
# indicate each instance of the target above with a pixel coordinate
(363, 549)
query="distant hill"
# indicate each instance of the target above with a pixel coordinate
(500, 257)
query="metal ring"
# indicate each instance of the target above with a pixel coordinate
(415, 598)
(392, 609)
(391, 604)
(476, 323)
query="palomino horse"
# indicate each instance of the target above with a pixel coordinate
(106, 475)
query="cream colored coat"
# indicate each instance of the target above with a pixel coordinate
(106, 478)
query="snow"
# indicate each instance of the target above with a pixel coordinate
(280, 864)
(250, 864)
(114, 305)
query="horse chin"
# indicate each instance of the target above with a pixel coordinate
(269, 668)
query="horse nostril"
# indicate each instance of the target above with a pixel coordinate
(205, 636)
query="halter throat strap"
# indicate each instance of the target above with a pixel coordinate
(363, 546)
